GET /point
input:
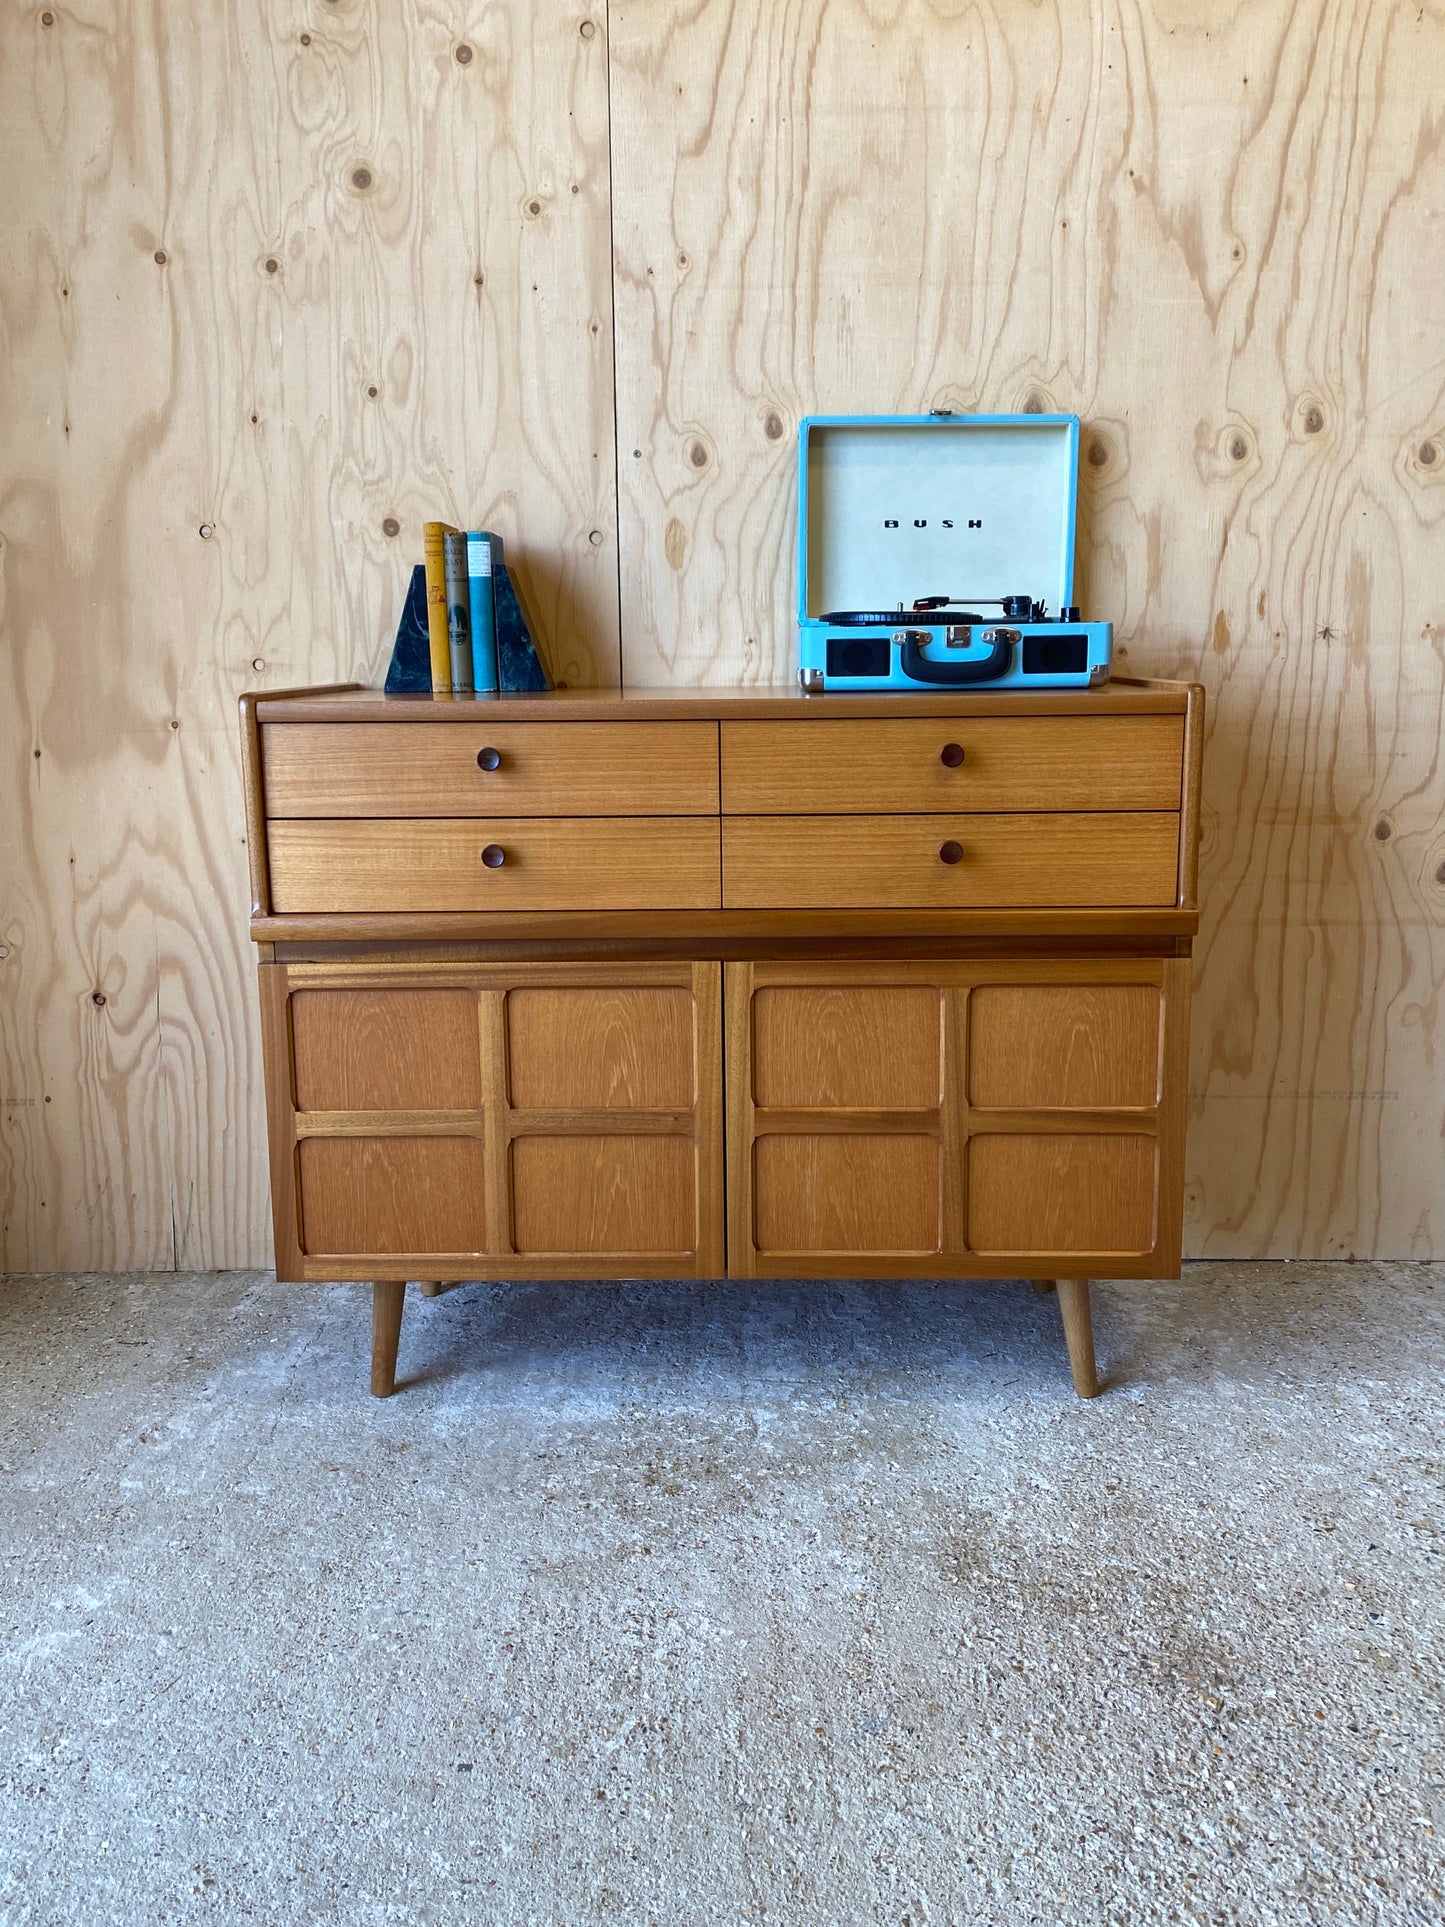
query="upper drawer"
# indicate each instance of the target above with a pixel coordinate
(541, 769)
(863, 768)
(553, 863)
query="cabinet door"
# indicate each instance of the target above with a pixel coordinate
(494, 1121)
(986, 1119)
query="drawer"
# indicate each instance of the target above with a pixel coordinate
(826, 767)
(550, 863)
(1065, 860)
(542, 769)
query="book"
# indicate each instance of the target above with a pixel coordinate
(459, 611)
(484, 624)
(434, 536)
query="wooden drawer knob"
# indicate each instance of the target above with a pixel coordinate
(951, 754)
(494, 856)
(489, 759)
(950, 852)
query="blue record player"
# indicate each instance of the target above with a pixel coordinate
(937, 551)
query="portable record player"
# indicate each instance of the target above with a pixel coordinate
(938, 551)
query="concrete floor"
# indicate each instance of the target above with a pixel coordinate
(804, 1604)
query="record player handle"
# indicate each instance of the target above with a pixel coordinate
(918, 668)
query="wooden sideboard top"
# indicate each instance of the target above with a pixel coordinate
(347, 703)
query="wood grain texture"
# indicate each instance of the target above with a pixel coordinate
(1122, 696)
(391, 1195)
(846, 1193)
(611, 1167)
(609, 1195)
(276, 284)
(844, 1045)
(396, 1050)
(545, 769)
(1092, 1194)
(605, 1047)
(854, 862)
(1014, 763)
(549, 863)
(833, 1171)
(1085, 1046)
(1214, 234)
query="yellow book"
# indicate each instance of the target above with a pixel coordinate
(434, 536)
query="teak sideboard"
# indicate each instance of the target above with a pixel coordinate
(725, 982)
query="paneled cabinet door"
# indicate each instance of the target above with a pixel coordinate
(494, 1121)
(991, 1119)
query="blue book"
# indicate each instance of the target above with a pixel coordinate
(484, 624)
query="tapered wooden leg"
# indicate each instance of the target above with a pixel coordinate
(387, 1301)
(1079, 1334)
(1042, 1285)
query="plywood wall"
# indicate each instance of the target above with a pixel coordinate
(279, 281)
(1217, 235)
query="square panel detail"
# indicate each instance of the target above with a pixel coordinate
(391, 1194)
(1086, 1192)
(865, 1046)
(604, 1194)
(1063, 1046)
(846, 1193)
(386, 1050)
(604, 1047)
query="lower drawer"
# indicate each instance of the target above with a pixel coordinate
(547, 863)
(1062, 860)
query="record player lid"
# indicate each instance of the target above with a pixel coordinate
(893, 507)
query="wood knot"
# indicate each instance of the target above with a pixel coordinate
(773, 426)
(361, 179)
(97, 997)
(697, 455)
(1033, 403)
(1098, 453)
(206, 531)
(464, 55)
(372, 392)
(1383, 831)
(1314, 420)
(1239, 448)
(588, 29)
(47, 19)
(1440, 872)
(391, 526)
(273, 266)
(160, 257)
(1429, 454)
(305, 40)
(595, 537)
(258, 663)
(534, 207)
